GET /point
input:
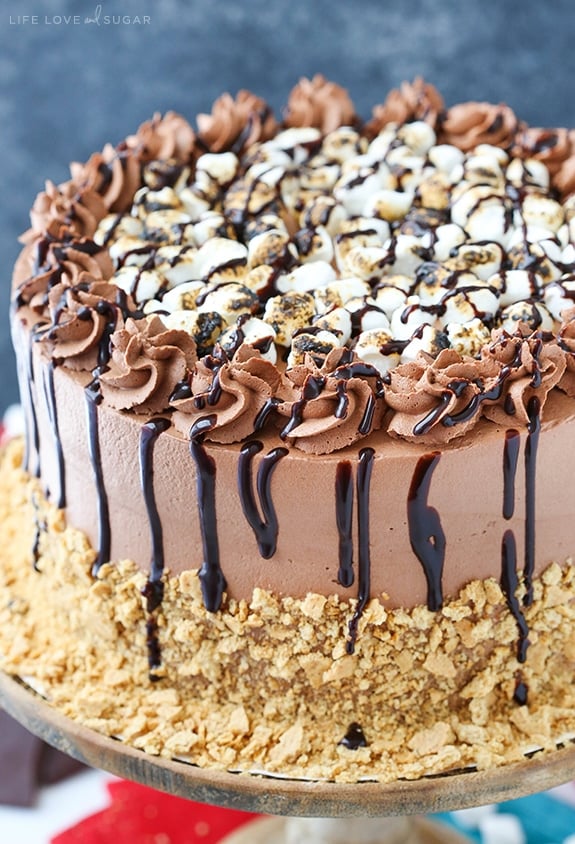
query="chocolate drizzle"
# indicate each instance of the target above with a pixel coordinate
(93, 399)
(354, 737)
(213, 582)
(531, 445)
(425, 531)
(509, 584)
(153, 591)
(266, 528)
(50, 394)
(344, 516)
(363, 483)
(32, 430)
(510, 458)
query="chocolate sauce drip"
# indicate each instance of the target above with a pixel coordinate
(509, 584)
(340, 411)
(344, 516)
(50, 394)
(148, 436)
(154, 650)
(93, 399)
(312, 388)
(367, 418)
(265, 412)
(520, 694)
(425, 531)
(426, 424)
(364, 469)
(266, 528)
(510, 458)
(211, 577)
(32, 429)
(40, 528)
(354, 737)
(531, 445)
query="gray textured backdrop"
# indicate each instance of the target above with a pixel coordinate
(67, 89)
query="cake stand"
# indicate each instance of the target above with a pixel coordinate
(385, 809)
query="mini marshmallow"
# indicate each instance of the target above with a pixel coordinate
(264, 223)
(533, 314)
(418, 136)
(390, 297)
(527, 172)
(370, 347)
(185, 320)
(142, 284)
(314, 245)
(447, 237)
(466, 303)
(446, 158)
(111, 229)
(259, 279)
(434, 280)
(296, 140)
(270, 247)
(306, 277)
(466, 200)
(317, 345)
(427, 339)
(321, 178)
(339, 292)
(483, 169)
(379, 147)
(434, 192)
(324, 211)
(348, 241)
(539, 210)
(404, 321)
(255, 332)
(468, 338)
(146, 201)
(528, 234)
(129, 250)
(516, 286)
(355, 189)
(367, 314)
(559, 296)
(495, 152)
(218, 167)
(543, 257)
(287, 313)
(212, 224)
(342, 144)
(194, 201)
(218, 252)
(489, 222)
(407, 251)
(390, 205)
(404, 158)
(367, 262)
(483, 259)
(338, 321)
(230, 300)
(180, 270)
(172, 225)
(183, 297)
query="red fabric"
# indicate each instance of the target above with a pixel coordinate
(140, 815)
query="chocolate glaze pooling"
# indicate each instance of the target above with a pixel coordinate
(425, 531)
(266, 528)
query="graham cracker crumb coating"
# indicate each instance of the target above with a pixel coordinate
(268, 685)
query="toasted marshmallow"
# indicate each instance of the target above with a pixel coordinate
(447, 158)
(418, 136)
(314, 245)
(426, 339)
(379, 147)
(342, 144)
(483, 259)
(367, 315)
(263, 223)
(347, 241)
(468, 338)
(146, 200)
(408, 252)
(324, 211)
(194, 202)
(129, 250)
(405, 321)
(218, 252)
(433, 281)
(306, 277)
(527, 172)
(466, 303)
(180, 269)
(367, 262)
(185, 320)
(544, 257)
(270, 247)
(372, 347)
(467, 200)
(489, 222)
(447, 238)
(355, 189)
(338, 293)
(171, 226)
(483, 169)
(288, 313)
(296, 142)
(259, 279)
(514, 286)
(322, 177)
(212, 224)
(318, 345)
(183, 297)
(434, 192)
(111, 228)
(559, 296)
(338, 321)
(390, 205)
(539, 210)
(141, 284)
(230, 300)
(389, 296)
(217, 167)
(533, 314)
(255, 332)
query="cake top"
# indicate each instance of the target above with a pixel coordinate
(316, 275)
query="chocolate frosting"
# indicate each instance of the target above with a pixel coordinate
(232, 391)
(164, 137)
(78, 322)
(114, 175)
(345, 410)
(551, 146)
(417, 100)
(468, 124)
(320, 103)
(427, 391)
(236, 124)
(564, 179)
(147, 361)
(66, 210)
(535, 367)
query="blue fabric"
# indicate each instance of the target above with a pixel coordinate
(544, 819)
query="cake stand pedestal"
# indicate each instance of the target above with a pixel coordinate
(381, 806)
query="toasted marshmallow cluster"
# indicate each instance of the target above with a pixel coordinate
(310, 242)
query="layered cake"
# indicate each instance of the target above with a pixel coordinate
(295, 491)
